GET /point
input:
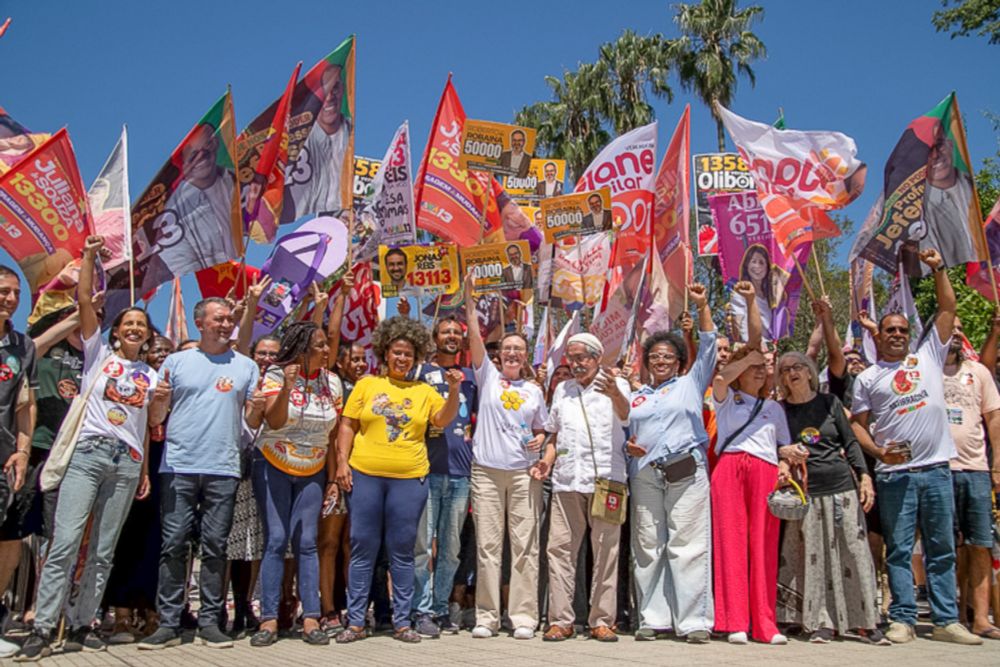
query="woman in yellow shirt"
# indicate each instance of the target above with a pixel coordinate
(382, 464)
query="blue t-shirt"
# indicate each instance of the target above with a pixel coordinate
(206, 411)
(450, 450)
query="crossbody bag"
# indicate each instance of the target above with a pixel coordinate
(610, 501)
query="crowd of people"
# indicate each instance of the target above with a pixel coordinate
(459, 487)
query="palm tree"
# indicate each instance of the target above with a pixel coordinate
(715, 45)
(628, 67)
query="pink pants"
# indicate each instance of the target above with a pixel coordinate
(745, 553)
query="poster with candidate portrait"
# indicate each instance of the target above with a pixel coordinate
(546, 178)
(497, 147)
(716, 173)
(499, 267)
(418, 269)
(576, 213)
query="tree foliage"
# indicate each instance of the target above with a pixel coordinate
(967, 16)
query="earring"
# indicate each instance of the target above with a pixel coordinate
(117, 344)
(144, 348)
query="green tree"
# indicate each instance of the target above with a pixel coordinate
(968, 16)
(628, 68)
(716, 45)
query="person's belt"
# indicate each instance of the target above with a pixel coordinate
(930, 466)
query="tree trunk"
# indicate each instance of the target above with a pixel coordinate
(722, 134)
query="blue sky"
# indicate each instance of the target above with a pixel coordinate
(863, 68)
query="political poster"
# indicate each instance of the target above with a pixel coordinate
(672, 224)
(578, 271)
(716, 173)
(748, 251)
(497, 148)
(16, 141)
(361, 313)
(109, 205)
(545, 178)
(576, 213)
(499, 267)
(44, 216)
(365, 236)
(418, 269)
(387, 215)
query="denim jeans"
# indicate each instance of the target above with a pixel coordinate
(443, 518)
(101, 480)
(289, 508)
(184, 499)
(922, 499)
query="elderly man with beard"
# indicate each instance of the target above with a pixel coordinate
(586, 427)
(450, 453)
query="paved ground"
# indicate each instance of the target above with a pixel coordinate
(507, 652)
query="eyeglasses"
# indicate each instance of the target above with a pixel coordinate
(798, 368)
(578, 358)
(663, 357)
(897, 330)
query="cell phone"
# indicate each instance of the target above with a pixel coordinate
(903, 448)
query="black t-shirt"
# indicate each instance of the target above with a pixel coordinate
(60, 372)
(822, 426)
(17, 366)
(842, 387)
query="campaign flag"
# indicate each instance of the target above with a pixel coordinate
(177, 330)
(716, 173)
(231, 276)
(672, 215)
(628, 166)
(16, 141)
(558, 350)
(900, 301)
(748, 250)
(799, 175)
(977, 274)
(450, 200)
(388, 209)
(188, 218)
(109, 202)
(44, 215)
(263, 158)
(615, 324)
(3, 28)
(578, 271)
(361, 313)
(658, 302)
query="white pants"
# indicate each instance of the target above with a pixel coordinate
(672, 550)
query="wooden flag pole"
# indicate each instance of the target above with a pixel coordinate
(687, 253)
(437, 310)
(805, 278)
(819, 273)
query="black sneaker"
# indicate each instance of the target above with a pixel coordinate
(162, 638)
(446, 626)
(35, 648)
(212, 637)
(84, 639)
(426, 627)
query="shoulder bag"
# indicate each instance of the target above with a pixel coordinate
(610, 500)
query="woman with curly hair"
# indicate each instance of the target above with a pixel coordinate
(382, 464)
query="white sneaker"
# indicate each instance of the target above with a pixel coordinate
(900, 633)
(738, 638)
(524, 632)
(956, 633)
(482, 632)
(779, 640)
(8, 649)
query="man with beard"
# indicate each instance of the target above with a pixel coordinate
(395, 266)
(549, 187)
(516, 158)
(973, 400)
(599, 218)
(194, 231)
(450, 454)
(314, 179)
(946, 205)
(517, 274)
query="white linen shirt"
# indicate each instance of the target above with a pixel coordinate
(574, 466)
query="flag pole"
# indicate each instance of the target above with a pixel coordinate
(805, 278)
(819, 273)
(437, 310)
(687, 254)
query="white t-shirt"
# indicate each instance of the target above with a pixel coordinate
(574, 467)
(508, 412)
(906, 402)
(762, 437)
(118, 405)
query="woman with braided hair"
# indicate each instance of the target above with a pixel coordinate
(293, 471)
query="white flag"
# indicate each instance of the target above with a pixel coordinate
(627, 163)
(389, 208)
(558, 349)
(109, 204)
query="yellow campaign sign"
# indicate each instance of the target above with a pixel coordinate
(499, 267)
(577, 213)
(418, 269)
(545, 179)
(497, 147)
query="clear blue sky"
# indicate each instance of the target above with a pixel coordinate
(864, 68)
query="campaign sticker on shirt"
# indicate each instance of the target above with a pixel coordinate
(955, 416)
(117, 416)
(134, 455)
(904, 382)
(113, 369)
(6, 373)
(911, 361)
(809, 436)
(297, 398)
(512, 400)
(13, 362)
(224, 384)
(967, 379)
(67, 389)
(639, 400)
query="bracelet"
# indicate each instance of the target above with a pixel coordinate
(21, 451)
(940, 268)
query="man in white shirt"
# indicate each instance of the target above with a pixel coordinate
(901, 398)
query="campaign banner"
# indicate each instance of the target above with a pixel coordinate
(418, 269)
(44, 216)
(614, 325)
(671, 221)
(545, 179)
(16, 141)
(450, 200)
(388, 208)
(748, 251)
(499, 267)
(576, 213)
(716, 173)
(188, 218)
(497, 148)
(578, 271)
(361, 313)
(977, 273)
(930, 197)
(109, 202)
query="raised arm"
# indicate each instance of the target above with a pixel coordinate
(250, 300)
(731, 371)
(987, 355)
(56, 333)
(834, 348)
(476, 345)
(687, 327)
(89, 324)
(319, 299)
(337, 314)
(755, 328)
(945, 320)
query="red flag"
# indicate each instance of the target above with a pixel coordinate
(450, 200)
(361, 312)
(671, 222)
(977, 273)
(3, 28)
(221, 278)
(44, 212)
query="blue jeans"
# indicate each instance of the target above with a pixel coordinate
(974, 507)
(388, 509)
(289, 508)
(101, 479)
(444, 516)
(185, 498)
(923, 499)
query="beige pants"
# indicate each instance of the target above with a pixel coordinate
(570, 516)
(514, 498)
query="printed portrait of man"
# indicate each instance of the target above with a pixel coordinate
(599, 218)
(516, 158)
(549, 186)
(517, 273)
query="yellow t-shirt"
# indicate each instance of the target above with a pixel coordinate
(393, 416)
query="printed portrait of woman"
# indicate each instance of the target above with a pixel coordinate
(769, 285)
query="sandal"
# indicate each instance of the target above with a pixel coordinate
(351, 633)
(263, 638)
(406, 634)
(316, 637)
